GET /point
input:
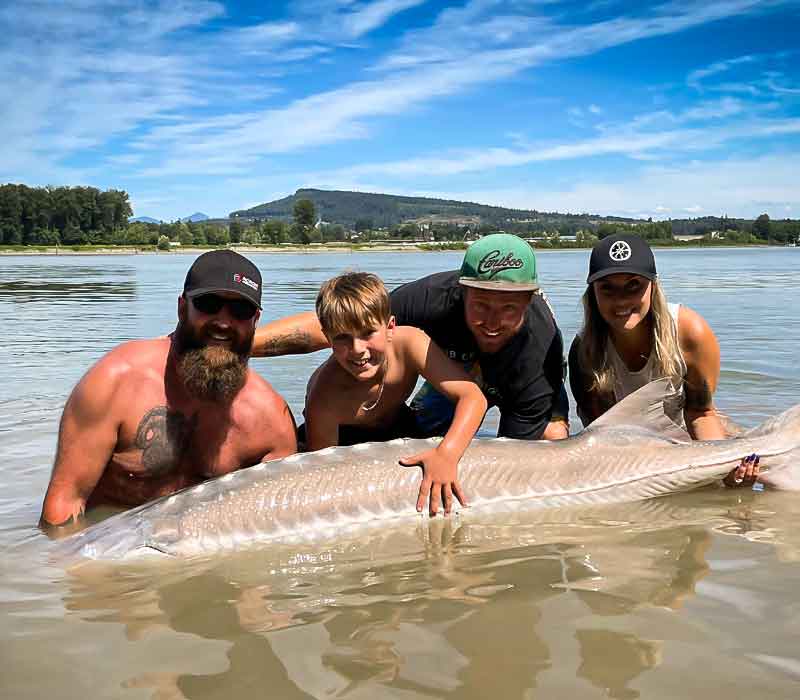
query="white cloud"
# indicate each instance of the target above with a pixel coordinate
(736, 188)
(175, 99)
(625, 140)
(369, 16)
(268, 33)
(695, 78)
(448, 58)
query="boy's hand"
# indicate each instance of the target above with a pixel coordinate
(439, 480)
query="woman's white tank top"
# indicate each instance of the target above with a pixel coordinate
(627, 381)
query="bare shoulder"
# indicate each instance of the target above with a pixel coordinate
(409, 341)
(260, 396)
(264, 419)
(410, 350)
(327, 380)
(410, 336)
(129, 361)
(693, 330)
(329, 391)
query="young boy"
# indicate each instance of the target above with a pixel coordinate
(359, 393)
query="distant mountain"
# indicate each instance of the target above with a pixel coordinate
(197, 216)
(387, 210)
(143, 220)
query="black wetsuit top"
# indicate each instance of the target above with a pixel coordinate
(525, 379)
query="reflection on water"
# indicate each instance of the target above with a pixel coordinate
(631, 656)
(477, 608)
(22, 291)
(23, 283)
(690, 596)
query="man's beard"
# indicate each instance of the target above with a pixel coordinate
(211, 372)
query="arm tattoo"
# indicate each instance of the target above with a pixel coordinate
(295, 342)
(163, 437)
(698, 396)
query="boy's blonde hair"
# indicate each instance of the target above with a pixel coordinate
(352, 303)
(594, 336)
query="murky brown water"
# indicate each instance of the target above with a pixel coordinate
(687, 596)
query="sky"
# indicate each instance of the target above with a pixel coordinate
(672, 109)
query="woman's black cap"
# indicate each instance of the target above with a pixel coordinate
(624, 253)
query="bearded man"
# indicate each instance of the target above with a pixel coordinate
(155, 416)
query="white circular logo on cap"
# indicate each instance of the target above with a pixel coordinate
(619, 251)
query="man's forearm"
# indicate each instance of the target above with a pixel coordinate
(556, 429)
(466, 422)
(293, 335)
(61, 515)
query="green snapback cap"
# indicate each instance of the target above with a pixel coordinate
(500, 261)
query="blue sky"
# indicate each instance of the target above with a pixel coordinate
(667, 109)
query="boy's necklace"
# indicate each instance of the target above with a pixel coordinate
(364, 406)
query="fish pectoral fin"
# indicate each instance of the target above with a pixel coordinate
(645, 408)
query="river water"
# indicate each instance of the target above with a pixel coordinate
(690, 595)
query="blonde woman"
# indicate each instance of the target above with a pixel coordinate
(631, 336)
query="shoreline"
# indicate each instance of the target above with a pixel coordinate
(312, 249)
(108, 250)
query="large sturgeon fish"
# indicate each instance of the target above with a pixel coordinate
(633, 452)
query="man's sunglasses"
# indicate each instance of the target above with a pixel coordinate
(211, 304)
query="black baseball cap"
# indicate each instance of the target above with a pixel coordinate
(624, 253)
(223, 271)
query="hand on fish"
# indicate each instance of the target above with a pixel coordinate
(746, 474)
(439, 480)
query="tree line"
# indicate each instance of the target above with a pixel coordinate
(87, 215)
(68, 215)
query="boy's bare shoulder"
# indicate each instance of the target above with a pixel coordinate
(327, 380)
(409, 337)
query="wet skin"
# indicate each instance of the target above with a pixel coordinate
(623, 300)
(494, 317)
(363, 354)
(131, 431)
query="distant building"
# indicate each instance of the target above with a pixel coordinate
(549, 238)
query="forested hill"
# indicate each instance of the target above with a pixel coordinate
(47, 216)
(387, 210)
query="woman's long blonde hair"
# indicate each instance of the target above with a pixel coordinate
(593, 355)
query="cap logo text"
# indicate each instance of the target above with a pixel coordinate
(619, 251)
(241, 279)
(493, 263)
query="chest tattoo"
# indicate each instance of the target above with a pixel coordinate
(163, 437)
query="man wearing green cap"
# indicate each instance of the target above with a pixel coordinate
(489, 316)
